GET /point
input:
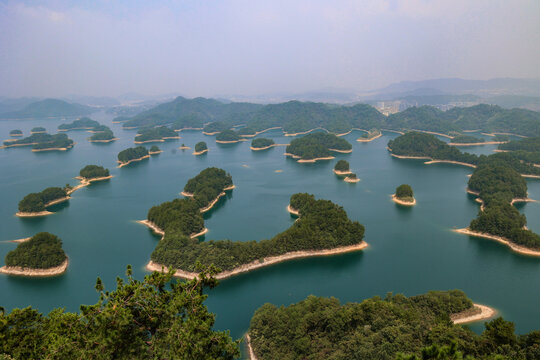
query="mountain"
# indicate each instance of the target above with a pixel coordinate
(9, 104)
(48, 108)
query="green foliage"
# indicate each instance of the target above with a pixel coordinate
(93, 171)
(82, 123)
(317, 145)
(351, 176)
(132, 153)
(228, 135)
(15, 132)
(42, 251)
(189, 121)
(154, 148)
(36, 202)
(322, 225)
(158, 133)
(528, 144)
(404, 191)
(157, 318)
(342, 165)
(207, 186)
(181, 216)
(200, 146)
(217, 126)
(43, 141)
(371, 134)
(102, 135)
(467, 139)
(38, 129)
(261, 143)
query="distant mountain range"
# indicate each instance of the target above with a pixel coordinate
(48, 108)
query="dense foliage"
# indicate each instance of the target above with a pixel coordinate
(216, 127)
(380, 329)
(82, 123)
(157, 318)
(180, 217)
(48, 108)
(42, 251)
(261, 143)
(15, 132)
(207, 186)
(154, 149)
(528, 144)
(322, 225)
(102, 135)
(466, 139)
(38, 129)
(404, 191)
(36, 202)
(342, 165)
(158, 133)
(200, 146)
(317, 145)
(132, 153)
(371, 134)
(228, 135)
(189, 121)
(43, 141)
(93, 171)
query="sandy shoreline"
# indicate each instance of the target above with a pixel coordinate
(260, 132)
(309, 160)
(52, 149)
(200, 152)
(16, 145)
(351, 180)
(266, 147)
(410, 157)
(156, 140)
(132, 160)
(157, 230)
(184, 148)
(187, 129)
(401, 202)
(33, 214)
(369, 139)
(57, 201)
(304, 132)
(500, 133)
(292, 210)
(340, 173)
(479, 312)
(151, 266)
(86, 182)
(155, 152)
(517, 248)
(251, 353)
(342, 151)
(433, 133)
(230, 141)
(77, 128)
(19, 271)
(449, 162)
(478, 143)
(103, 141)
(20, 240)
(211, 133)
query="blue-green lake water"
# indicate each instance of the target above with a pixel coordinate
(412, 250)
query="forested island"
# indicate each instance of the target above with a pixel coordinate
(104, 135)
(395, 327)
(342, 168)
(15, 133)
(317, 146)
(370, 135)
(38, 130)
(322, 229)
(158, 134)
(92, 172)
(262, 144)
(200, 148)
(35, 204)
(404, 195)
(208, 186)
(41, 255)
(42, 142)
(130, 155)
(215, 128)
(180, 216)
(351, 178)
(84, 123)
(228, 137)
(154, 150)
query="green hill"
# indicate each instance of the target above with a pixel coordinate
(48, 108)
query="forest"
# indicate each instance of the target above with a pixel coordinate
(216, 127)
(93, 171)
(228, 135)
(180, 217)
(322, 225)
(132, 154)
(404, 192)
(466, 139)
(38, 129)
(154, 149)
(258, 143)
(36, 202)
(528, 144)
(82, 123)
(43, 141)
(15, 132)
(371, 134)
(42, 251)
(207, 185)
(200, 146)
(316, 145)
(105, 134)
(189, 121)
(342, 165)
(393, 327)
(158, 133)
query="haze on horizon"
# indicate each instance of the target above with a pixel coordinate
(232, 47)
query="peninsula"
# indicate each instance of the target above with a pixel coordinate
(200, 148)
(404, 195)
(35, 204)
(130, 155)
(208, 187)
(351, 178)
(215, 128)
(316, 146)
(370, 135)
(263, 144)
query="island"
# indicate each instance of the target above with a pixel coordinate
(42, 142)
(158, 134)
(41, 255)
(84, 123)
(208, 187)
(342, 168)
(35, 204)
(370, 135)
(351, 178)
(154, 150)
(215, 128)
(467, 140)
(200, 148)
(15, 133)
(38, 130)
(130, 155)
(319, 219)
(317, 146)
(184, 147)
(263, 144)
(91, 173)
(320, 328)
(404, 195)
(228, 137)
(103, 136)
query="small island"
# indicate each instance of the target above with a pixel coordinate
(15, 133)
(208, 187)
(84, 123)
(154, 150)
(42, 142)
(370, 135)
(317, 146)
(92, 173)
(228, 137)
(262, 144)
(200, 148)
(41, 255)
(38, 130)
(351, 178)
(215, 128)
(35, 204)
(404, 195)
(103, 137)
(158, 134)
(130, 155)
(342, 168)
(184, 147)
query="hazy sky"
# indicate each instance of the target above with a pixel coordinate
(222, 47)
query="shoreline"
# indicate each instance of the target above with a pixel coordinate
(342, 151)
(514, 247)
(251, 353)
(184, 148)
(132, 160)
(19, 271)
(449, 162)
(103, 141)
(4, 146)
(211, 133)
(433, 133)
(155, 152)
(188, 128)
(229, 141)
(478, 143)
(271, 260)
(20, 240)
(33, 214)
(303, 132)
(52, 149)
(293, 210)
(308, 160)
(267, 147)
(77, 128)
(369, 139)
(260, 132)
(156, 140)
(86, 182)
(200, 152)
(341, 173)
(157, 230)
(410, 157)
(57, 201)
(401, 202)
(477, 313)
(501, 133)
(351, 181)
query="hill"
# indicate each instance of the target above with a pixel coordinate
(48, 108)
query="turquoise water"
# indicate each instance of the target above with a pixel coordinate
(412, 250)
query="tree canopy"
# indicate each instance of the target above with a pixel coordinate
(404, 191)
(82, 123)
(207, 185)
(132, 153)
(258, 143)
(93, 171)
(157, 134)
(36, 202)
(317, 145)
(42, 251)
(200, 146)
(342, 165)
(228, 135)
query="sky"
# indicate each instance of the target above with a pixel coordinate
(253, 47)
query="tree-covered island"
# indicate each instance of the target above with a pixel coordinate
(404, 195)
(322, 229)
(228, 137)
(351, 178)
(104, 136)
(130, 155)
(42, 142)
(92, 172)
(38, 130)
(200, 148)
(16, 133)
(317, 146)
(215, 128)
(154, 150)
(208, 186)
(158, 134)
(84, 123)
(370, 135)
(35, 204)
(342, 168)
(262, 144)
(41, 255)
